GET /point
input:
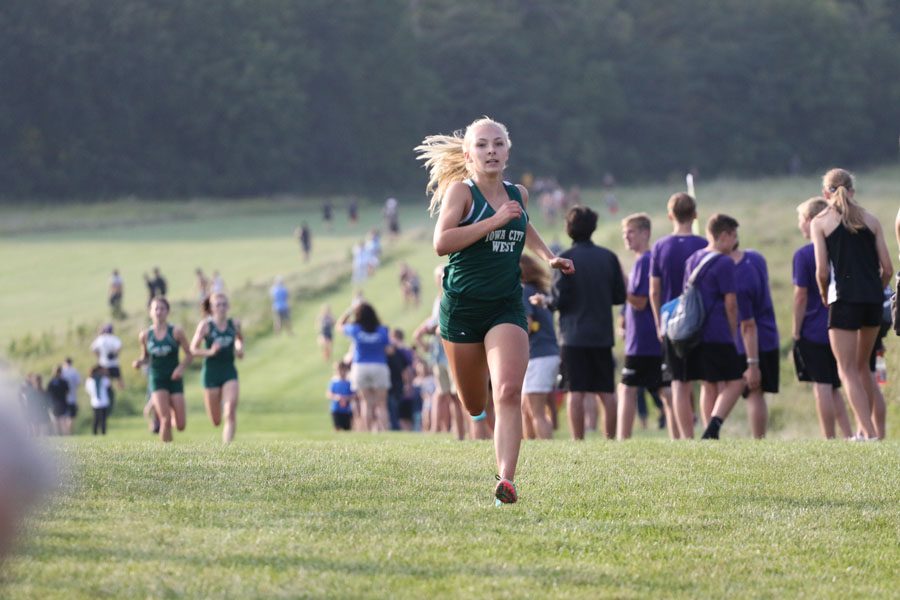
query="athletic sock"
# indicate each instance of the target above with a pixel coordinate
(480, 416)
(712, 430)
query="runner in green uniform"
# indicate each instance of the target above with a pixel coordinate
(159, 348)
(218, 340)
(483, 226)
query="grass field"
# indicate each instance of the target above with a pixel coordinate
(293, 510)
(413, 518)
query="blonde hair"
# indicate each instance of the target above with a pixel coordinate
(810, 208)
(534, 273)
(839, 183)
(640, 220)
(445, 159)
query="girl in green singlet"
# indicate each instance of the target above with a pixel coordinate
(218, 340)
(483, 227)
(159, 349)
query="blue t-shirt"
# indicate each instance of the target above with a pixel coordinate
(340, 387)
(640, 330)
(715, 280)
(280, 296)
(815, 320)
(541, 334)
(368, 347)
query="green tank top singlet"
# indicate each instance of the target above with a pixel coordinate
(225, 356)
(163, 353)
(489, 268)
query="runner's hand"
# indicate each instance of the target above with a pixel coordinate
(565, 265)
(538, 300)
(508, 211)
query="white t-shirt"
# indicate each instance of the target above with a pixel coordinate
(99, 398)
(107, 347)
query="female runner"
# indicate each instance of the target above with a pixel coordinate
(159, 348)
(482, 225)
(218, 340)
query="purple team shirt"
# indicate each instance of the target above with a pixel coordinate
(667, 260)
(640, 329)
(764, 311)
(749, 298)
(815, 320)
(716, 279)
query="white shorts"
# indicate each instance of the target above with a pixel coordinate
(540, 376)
(370, 375)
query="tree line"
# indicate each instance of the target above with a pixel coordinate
(241, 97)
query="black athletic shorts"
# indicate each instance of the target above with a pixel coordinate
(586, 369)
(342, 421)
(72, 410)
(60, 409)
(815, 363)
(114, 372)
(714, 362)
(854, 315)
(405, 409)
(769, 371)
(643, 371)
(674, 367)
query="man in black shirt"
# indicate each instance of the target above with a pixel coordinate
(584, 301)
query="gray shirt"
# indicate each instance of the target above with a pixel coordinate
(70, 374)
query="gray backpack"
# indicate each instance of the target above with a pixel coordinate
(687, 313)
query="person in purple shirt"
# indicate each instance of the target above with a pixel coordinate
(643, 353)
(757, 343)
(715, 360)
(667, 259)
(369, 374)
(813, 358)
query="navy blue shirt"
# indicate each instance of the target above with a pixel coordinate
(541, 334)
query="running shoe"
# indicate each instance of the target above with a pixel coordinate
(505, 492)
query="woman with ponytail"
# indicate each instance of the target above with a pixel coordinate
(852, 268)
(483, 227)
(218, 340)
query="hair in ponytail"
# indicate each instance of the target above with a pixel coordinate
(206, 305)
(839, 183)
(445, 159)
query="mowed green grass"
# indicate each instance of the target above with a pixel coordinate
(412, 517)
(56, 265)
(292, 509)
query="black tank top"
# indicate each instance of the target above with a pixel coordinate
(855, 266)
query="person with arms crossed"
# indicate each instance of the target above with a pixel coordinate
(643, 353)
(483, 227)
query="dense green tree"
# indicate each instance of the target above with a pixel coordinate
(237, 97)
